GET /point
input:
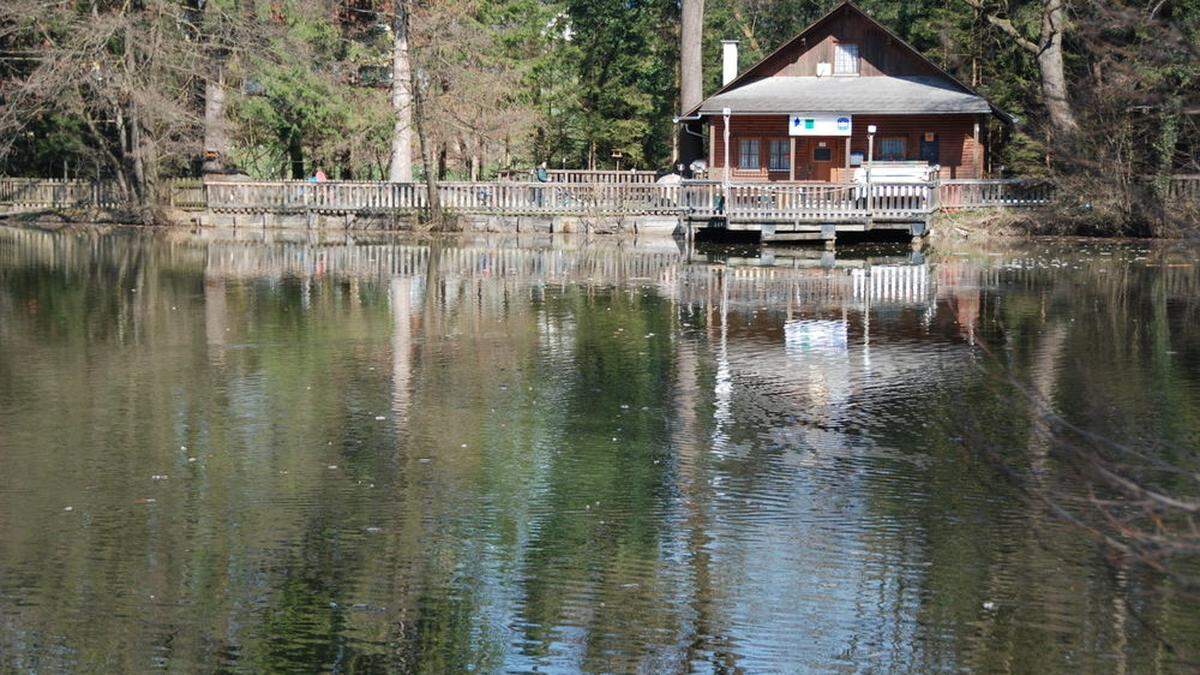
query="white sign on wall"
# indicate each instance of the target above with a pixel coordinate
(819, 124)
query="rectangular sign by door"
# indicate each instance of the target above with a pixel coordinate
(819, 124)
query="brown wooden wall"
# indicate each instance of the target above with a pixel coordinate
(958, 153)
(879, 53)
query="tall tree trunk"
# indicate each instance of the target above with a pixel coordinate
(1049, 54)
(691, 69)
(144, 168)
(691, 77)
(1050, 63)
(216, 131)
(296, 157)
(428, 156)
(400, 167)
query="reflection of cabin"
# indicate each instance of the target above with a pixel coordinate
(801, 114)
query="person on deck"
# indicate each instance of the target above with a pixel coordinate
(320, 176)
(542, 176)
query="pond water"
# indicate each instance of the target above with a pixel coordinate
(249, 451)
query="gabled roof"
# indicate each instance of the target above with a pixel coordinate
(750, 92)
(877, 95)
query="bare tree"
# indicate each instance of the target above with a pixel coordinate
(1047, 48)
(400, 167)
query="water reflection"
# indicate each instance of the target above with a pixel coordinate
(260, 451)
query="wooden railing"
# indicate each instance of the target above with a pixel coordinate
(826, 202)
(23, 193)
(583, 176)
(1184, 188)
(977, 194)
(459, 197)
(747, 202)
(186, 193)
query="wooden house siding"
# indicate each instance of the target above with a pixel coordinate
(878, 52)
(959, 155)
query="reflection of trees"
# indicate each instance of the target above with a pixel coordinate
(1070, 349)
(544, 542)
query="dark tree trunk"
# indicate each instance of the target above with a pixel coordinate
(296, 157)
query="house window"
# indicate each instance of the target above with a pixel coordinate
(749, 155)
(846, 59)
(893, 149)
(822, 154)
(781, 156)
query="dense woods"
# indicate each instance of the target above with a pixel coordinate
(139, 90)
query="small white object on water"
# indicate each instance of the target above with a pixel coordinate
(332, 467)
(191, 459)
(989, 605)
(464, 445)
(183, 447)
(69, 508)
(159, 476)
(380, 417)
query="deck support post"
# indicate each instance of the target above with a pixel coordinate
(918, 232)
(792, 159)
(976, 156)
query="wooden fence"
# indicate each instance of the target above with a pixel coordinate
(186, 193)
(747, 202)
(978, 194)
(1185, 188)
(460, 197)
(584, 176)
(31, 193)
(702, 199)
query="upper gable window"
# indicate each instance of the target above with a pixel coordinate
(846, 59)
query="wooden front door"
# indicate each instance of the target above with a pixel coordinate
(817, 157)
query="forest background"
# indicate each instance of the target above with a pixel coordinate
(138, 91)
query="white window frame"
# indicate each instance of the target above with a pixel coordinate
(846, 58)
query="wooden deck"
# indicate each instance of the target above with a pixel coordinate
(778, 210)
(697, 200)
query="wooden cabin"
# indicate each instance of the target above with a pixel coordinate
(803, 112)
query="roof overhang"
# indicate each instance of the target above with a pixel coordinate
(848, 95)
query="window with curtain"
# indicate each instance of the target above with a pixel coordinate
(781, 156)
(748, 153)
(846, 59)
(893, 149)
